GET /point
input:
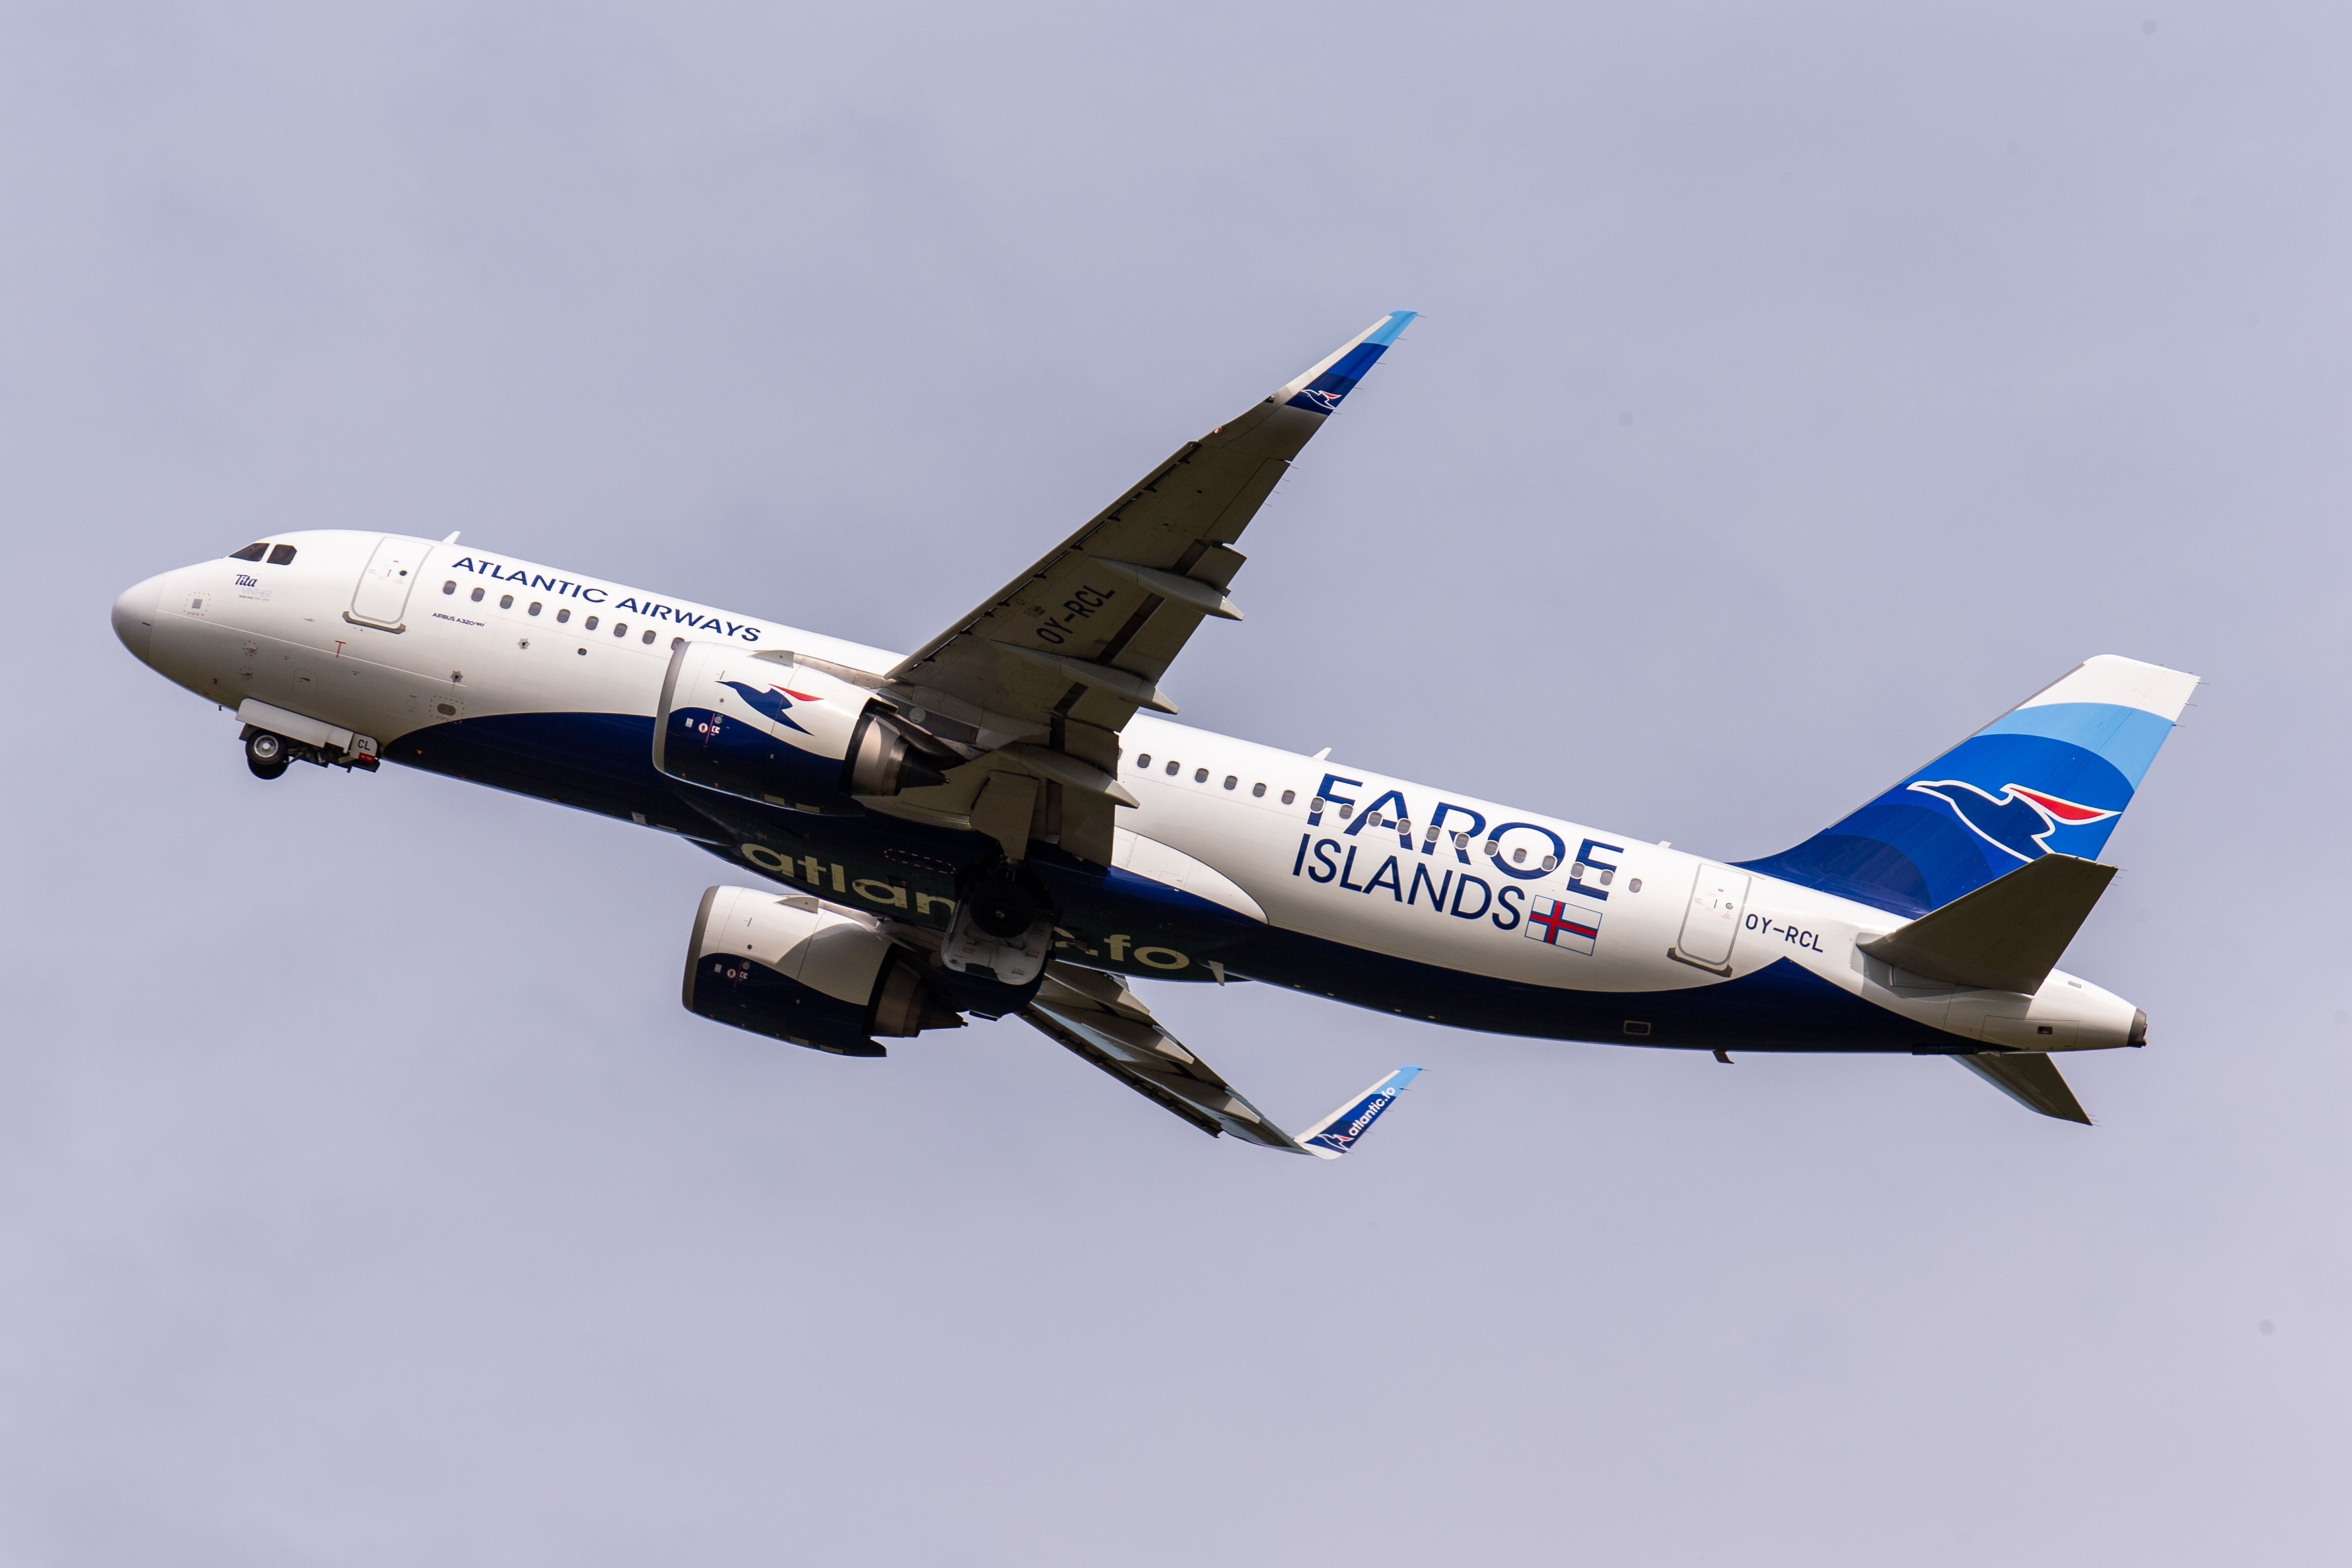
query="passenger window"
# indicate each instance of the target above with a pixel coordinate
(1171, 769)
(1287, 795)
(250, 552)
(620, 628)
(506, 601)
(676, 644)
(562, 616)
(648, 638)
(1144, 762)
(534, 608)
(450, 586)
(282, 555)
(1231, 780)
(590, 624)
(476, 596)
(1200, 776)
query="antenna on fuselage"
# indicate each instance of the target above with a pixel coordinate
(453, 535)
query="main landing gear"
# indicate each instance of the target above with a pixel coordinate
(1002, 929)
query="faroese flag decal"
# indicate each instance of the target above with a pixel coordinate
(1556, 923)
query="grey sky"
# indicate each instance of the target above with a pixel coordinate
(1798, 387)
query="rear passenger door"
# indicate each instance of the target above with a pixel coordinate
(1718, 897)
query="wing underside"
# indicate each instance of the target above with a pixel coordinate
(1096, 1016)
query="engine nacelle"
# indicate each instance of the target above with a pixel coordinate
(766, 728)
(798, 971)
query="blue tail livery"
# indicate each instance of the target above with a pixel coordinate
(2052, 776)
(1338, 1132)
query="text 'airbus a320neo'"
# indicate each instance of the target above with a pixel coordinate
(1002, 823)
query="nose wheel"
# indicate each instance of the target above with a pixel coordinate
(267, 755)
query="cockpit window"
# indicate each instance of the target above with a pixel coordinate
(282, 555)
(251, 552)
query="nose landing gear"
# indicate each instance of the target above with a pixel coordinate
(265, 754)
(268, 754)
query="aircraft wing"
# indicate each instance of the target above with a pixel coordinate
(1097, 1017)
(1051, 667)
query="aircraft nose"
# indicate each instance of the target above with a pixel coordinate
(134, 615)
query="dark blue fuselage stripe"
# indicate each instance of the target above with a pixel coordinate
(602, 763)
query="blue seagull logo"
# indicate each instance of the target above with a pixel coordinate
(773, 703)
(2018, 820)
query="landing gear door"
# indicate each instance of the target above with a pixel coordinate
(382, 597)
(1718, 897)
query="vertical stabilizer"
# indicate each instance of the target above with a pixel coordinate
(2052, 776)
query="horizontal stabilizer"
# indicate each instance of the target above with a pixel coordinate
(2034, 1082)
(1336, 1134)
(2008, 934)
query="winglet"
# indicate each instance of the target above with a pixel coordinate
(1336, 1134)
(1320, 390)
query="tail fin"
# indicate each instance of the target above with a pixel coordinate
(2049, 777)
(1336, 1134)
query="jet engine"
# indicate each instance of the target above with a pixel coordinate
(767, 727)
(800, 970)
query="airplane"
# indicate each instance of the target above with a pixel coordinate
(1007, 822)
